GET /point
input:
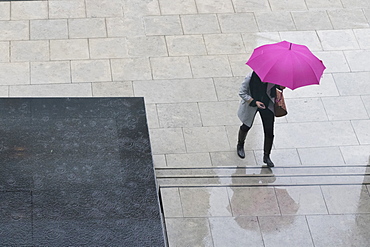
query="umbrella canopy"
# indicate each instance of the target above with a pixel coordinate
(286, 64)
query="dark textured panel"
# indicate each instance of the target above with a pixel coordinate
(15, 218)
(87, 165)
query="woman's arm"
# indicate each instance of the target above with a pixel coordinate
(244, 91)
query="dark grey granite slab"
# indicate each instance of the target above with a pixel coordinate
(77, 172)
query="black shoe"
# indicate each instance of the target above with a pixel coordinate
(240, 151)
(268, 161)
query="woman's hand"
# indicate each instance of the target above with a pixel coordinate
(260, 105)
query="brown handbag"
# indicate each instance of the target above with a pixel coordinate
(280, 107)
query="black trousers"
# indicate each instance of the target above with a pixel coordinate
(268, 120)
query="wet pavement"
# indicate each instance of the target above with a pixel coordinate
(187, 59)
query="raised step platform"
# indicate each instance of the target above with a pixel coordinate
(263, 176)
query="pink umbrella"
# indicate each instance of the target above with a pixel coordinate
(286, 64)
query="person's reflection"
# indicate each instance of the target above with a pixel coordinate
(252, 196)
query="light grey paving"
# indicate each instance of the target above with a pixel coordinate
(171, 67)
(171, 7)
(214, 6)
(352, 83)
(200, 24)
(264, 201)
(24, 51)
(159, 161)
(328, 87)
(323, 4)
(152, 115)
(356, 4)
(348, 18)
(321, 156)
(228, 88)
(51, 72)
(224, 44)
(283, 157)
(203, 202)
(14, 73)
(338, 40)
(87, 28)
(231, 159)
(236, 231)
(69, 49)
(185, 45)
(287, 5)
(4, 91)
(48, 29)
(4, 52)
(274, 21)
(305, 110)
(354, 109)
(361, 128)
(210, 66)
(339, 230)
(179, 115)
(253, 5)
(108, 48)
(356, 154)
(104, 8)
(141, 8)
(147, 46)
(90, 71)
(67, 9)
(238, 66)
(125, 26)
(208, 112)
(203, 139)
(175, 91)
(312, 20)
(185, 232)
(137, 68)
(358, 60)
(169, 140)
(307, 38)
(301, 200)
(335, 61)
(112, 89)
(362, 36)
(163, 25)
(253, 40)
(346, 199)
(51, 90)
(366, 101)
(172, 202)
(285, 231)
(324, 134)
(237, 23)
(25, 10)
(5, 11)
(189, 160)
(14, 30)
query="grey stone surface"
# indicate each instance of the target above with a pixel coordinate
(48, 29)
(67, 9)
(50, 72)
(24, 51)
(69, 49)
(87, 28)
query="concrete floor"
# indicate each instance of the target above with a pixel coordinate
(187, 59)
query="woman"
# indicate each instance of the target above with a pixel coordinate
(257, 96)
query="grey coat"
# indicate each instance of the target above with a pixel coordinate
(246, 113)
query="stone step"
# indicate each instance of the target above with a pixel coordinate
(263, 176)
